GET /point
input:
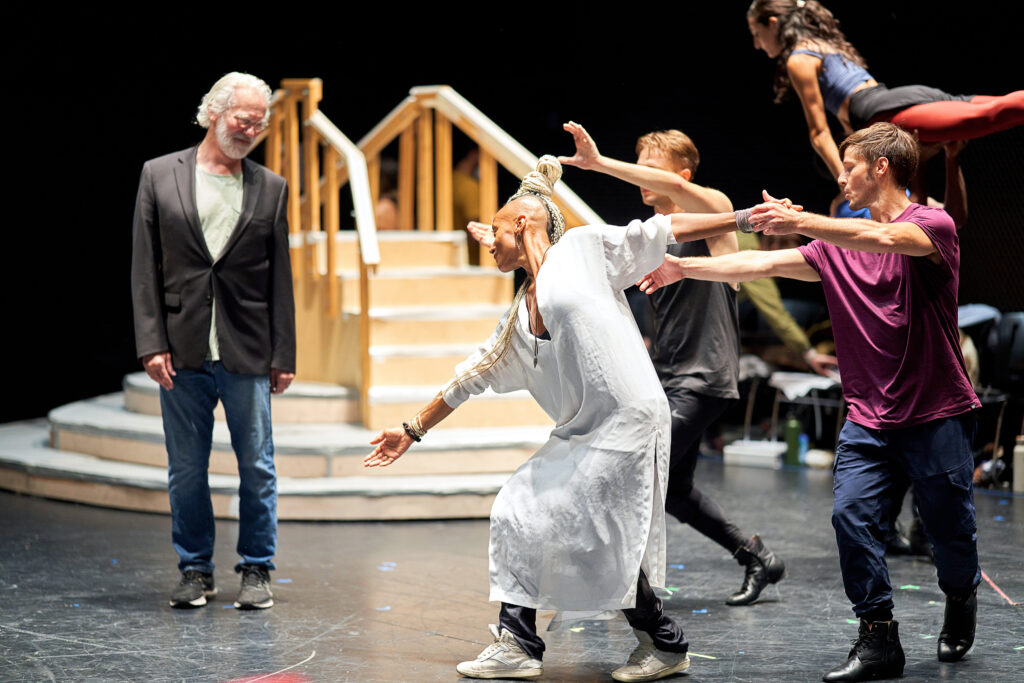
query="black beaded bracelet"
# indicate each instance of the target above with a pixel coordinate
(408, 430)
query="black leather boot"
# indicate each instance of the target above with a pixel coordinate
(957, 633)
(876, 653)
(763, 568)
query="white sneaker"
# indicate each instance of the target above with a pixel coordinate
(504, 658)
(647, 663)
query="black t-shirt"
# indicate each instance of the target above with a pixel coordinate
(696, 332)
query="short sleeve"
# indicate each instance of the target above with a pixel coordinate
(636, 249)
(813, 253)
(504, 376)
(940, 229)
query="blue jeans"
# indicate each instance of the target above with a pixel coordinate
(188, 432)
(936, 457)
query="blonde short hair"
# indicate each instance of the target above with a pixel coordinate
(676, 144)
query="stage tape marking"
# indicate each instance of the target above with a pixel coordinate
(999, 590)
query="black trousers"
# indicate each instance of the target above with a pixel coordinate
(692, 414)
(648, 616)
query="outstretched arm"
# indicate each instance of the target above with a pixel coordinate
(861, 234)
(392, 443)
(803, 74)
(739, 267)
(684, 194)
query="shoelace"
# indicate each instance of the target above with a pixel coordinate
(491, 649)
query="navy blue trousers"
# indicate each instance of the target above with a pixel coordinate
(936, 456)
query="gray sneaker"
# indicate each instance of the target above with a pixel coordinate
(255, 592)
(504, 658)
(648, 663)
(193, 589)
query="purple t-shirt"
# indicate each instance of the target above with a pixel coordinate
(894, 318)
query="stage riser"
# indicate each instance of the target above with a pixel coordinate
(401, 370)
(442, 289)
(473, 413)
(283, 408)
(397, 255)
(289, 508)
(417, 462)
(395, 332)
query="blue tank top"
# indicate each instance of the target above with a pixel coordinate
(838, 77)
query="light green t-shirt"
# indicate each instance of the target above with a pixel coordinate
(219, 200)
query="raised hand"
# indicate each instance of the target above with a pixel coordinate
(481, 232)
(668, 272)
(390, 445)
(586, 149)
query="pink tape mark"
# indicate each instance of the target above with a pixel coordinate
(999, 590)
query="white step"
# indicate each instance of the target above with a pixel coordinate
(28, 465)
(102, 427)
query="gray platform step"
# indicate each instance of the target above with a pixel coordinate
(28, 465)
(102, 427)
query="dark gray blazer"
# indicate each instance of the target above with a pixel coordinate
(174, 277)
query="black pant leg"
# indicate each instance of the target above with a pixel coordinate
(521, 622)
(692, 414)
(649, 616)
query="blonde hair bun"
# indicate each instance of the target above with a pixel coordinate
(542, 181)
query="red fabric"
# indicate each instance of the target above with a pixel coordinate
(958, 120)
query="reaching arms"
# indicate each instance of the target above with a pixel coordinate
(739, 267)
(392, 443)
(684, 194)
(861, 234)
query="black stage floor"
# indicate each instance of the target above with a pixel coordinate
(83, 597)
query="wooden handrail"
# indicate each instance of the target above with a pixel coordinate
(359, 180)
(503, 147)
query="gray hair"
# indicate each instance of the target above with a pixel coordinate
(222, 96)
(539, 184)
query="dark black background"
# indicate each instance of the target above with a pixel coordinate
(92, 94)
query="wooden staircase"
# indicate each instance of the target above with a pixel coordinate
(382, 319)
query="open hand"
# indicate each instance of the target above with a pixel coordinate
(481, 232)
(390, 445)
(586, 149)
(668, 272)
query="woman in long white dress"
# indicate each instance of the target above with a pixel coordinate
(581, 524)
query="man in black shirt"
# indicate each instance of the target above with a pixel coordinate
(696, 338)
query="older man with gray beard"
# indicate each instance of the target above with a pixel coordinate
(215, 320)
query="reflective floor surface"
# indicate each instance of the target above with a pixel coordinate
(83, 597)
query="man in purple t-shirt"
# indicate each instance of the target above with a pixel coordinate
(891, 289)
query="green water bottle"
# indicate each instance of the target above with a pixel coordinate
(793, 429)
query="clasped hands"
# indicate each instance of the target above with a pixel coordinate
(771, 217)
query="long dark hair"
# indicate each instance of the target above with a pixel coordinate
(801, 20)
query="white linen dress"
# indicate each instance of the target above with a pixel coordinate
(574, 525)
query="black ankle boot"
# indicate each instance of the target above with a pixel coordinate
(957, 633)
(763, 568)
(876, 653)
